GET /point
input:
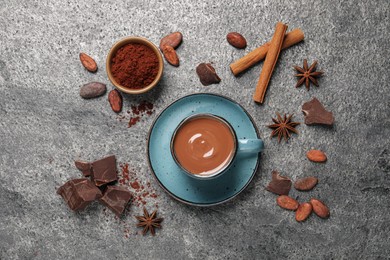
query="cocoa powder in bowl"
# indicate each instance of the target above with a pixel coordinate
(134, 66)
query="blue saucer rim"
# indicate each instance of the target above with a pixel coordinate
(173, 195)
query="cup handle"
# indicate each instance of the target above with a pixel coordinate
(250, 145)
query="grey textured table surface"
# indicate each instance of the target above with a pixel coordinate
(45, 125)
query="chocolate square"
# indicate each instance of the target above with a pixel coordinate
(280, 185)
(104, 171)
(78, 193)
(116, 199)
(84, 167)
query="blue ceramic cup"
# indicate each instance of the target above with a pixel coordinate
(241, 146)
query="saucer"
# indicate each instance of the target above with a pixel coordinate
(172, 178)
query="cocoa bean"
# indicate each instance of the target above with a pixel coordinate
(316, 156)
(320, 208)
(92, 90)
(287, 202)
(236, 40)
(305, 184)
(88, 62)
(115, 100)
(170, 55)
(303, 212)
(173, 40)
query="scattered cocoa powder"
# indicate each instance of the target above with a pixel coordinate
(142, 193)
(143, 107)
(136, 113)
(133, 121)
(135, 185)
(125, 177)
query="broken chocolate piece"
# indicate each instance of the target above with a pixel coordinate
(104, 171)
(207, 74)
(315, 113)
(78, 193)
(116, 199)
(84, 167)
(279, 184)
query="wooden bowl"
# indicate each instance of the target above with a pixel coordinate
(123, 42)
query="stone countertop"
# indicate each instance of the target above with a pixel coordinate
(45, 125)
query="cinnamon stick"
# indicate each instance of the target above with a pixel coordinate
(270, 61)
(244, 63)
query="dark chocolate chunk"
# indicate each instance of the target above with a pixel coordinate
(315, 113)
(279, 184)
(104, 171)
(207, 74)
(116, 199)
(78, 193)
(84, 167)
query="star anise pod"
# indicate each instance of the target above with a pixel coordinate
(149, 222)
(283, 126)
(307, 74)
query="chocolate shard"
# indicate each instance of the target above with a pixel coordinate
(78, 193)
(84, 167)
(116, 199)
(207, 74)
(279, 184)
(315, 113)
(104, 171)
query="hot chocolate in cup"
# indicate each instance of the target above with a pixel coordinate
(205, 145)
